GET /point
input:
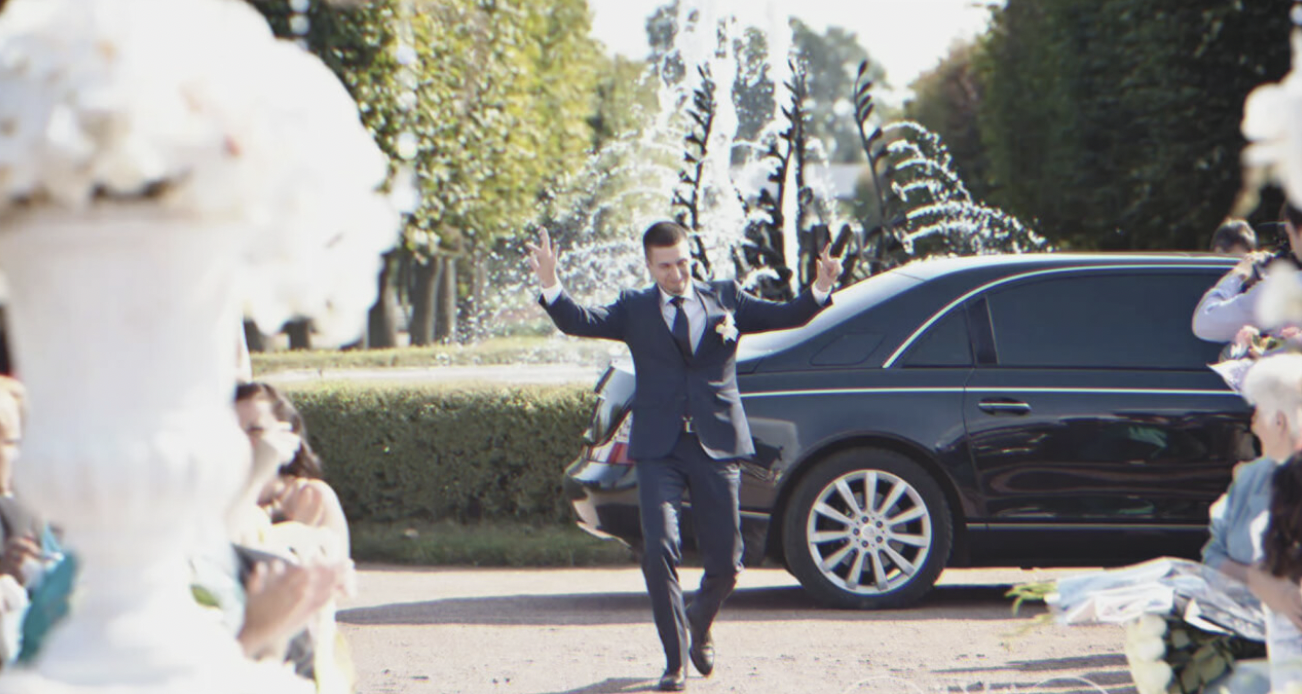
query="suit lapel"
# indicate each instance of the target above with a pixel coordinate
(714, 313)
(657, 316)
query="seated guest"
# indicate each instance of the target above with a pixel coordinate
(1239, 520)
(32, 559)
(1230, 305)
(297, 492)
(300, 515)
(1234, 237)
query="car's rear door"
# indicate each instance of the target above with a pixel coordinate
(1094, 423)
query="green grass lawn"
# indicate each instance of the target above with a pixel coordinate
(531, 349)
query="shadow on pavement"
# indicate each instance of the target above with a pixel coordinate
(1112, 675)
(614, 685)
(752, 604)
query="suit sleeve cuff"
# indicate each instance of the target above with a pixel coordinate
(820, 297)
(549, 294)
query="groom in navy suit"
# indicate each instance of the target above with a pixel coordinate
(689, 428)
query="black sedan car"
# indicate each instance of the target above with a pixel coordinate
(1028, 410)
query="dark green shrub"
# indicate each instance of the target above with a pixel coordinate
(434, 452)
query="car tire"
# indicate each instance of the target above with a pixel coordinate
(864, 560)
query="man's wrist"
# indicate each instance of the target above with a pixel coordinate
(550, 292)
(820, 294)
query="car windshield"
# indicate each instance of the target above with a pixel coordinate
(849, 302)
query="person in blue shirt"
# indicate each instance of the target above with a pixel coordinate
(1240, 518)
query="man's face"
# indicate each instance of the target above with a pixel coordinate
(1272, 431)
(670, 267)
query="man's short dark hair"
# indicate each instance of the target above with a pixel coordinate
(663, 235)
(1231, 233)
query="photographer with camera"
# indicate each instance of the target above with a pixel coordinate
(1234, 237)
(1230, 306)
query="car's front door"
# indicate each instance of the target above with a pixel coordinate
(1098, 414)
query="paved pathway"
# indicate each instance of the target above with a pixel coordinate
(588, 631)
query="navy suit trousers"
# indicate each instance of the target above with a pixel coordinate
(713, 487)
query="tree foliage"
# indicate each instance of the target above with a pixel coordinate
(1115, 123)
(503, 94)
(946, 101)
(830, 60)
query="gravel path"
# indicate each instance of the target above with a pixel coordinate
(589, 631)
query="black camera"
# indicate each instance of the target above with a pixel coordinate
(1279, 249)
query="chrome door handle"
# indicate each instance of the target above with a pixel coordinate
(1004, 407)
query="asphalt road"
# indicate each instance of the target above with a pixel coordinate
(589, 631)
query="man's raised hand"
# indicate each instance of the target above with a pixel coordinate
(829, 270)
(542, 258)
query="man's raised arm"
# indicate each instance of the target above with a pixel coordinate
(572, 319)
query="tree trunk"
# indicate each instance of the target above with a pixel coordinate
(445, 328)
(382, 328)
(300, 333)
(427, 277)
(478, 283)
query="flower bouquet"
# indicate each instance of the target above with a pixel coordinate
(1187, 625)
(1248, 346)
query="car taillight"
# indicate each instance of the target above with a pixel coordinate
(615, 450)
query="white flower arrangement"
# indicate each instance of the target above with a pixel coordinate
(146, 102)
(1144, 650)
(1274, 131)
(727, 328)
(1280, 302)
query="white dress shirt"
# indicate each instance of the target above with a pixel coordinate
(694, 309)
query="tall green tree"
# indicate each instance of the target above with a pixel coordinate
(487, 102)
(832, 59)
(1115, 123)
(946, 100)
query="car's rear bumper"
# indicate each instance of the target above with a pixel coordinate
(604, 499)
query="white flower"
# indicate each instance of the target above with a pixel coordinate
(1144, 649)
(1280, 300)
(1274, 131)
(123, 98)
(1151, 677)
(727, 328)
(1140, 647)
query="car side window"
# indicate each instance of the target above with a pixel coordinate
(1121, 321)
(946, 343)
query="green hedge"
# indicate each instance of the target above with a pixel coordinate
(438, 452)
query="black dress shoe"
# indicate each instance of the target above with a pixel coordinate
(673, 681)
(702, 649)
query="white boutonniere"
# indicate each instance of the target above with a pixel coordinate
(727, 328)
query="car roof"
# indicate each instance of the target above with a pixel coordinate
(930, 268)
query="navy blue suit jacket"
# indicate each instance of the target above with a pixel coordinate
(670, 386)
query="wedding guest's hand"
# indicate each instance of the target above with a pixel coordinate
(1248, 262)
(17, 552)
(542, 258)
(829, 270)
(280, 599)
(1280, 594)
(306, 504)
(1242, 344)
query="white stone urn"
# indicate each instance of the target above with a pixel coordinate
(121, 321)
(155, 184)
